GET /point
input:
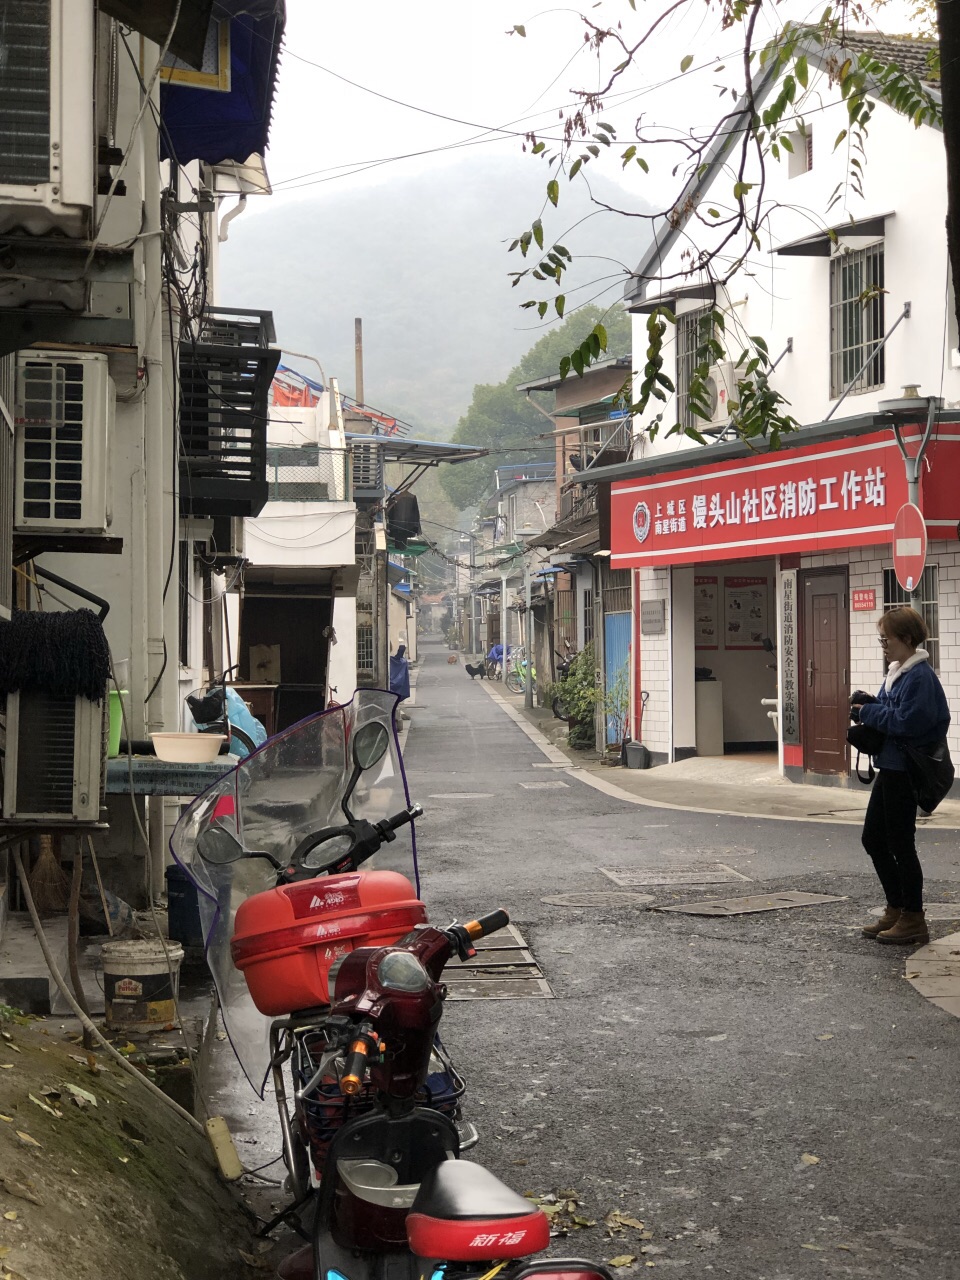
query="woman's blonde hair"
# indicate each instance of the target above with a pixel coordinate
(904, 624)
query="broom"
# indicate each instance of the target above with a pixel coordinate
(48, 882)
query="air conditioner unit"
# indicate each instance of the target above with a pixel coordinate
(53, 768)
(721, 384)
(48, 160)
(65, 404)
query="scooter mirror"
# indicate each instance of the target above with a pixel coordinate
(218, 846)
(370, 744)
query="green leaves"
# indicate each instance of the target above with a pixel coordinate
(686, 63)
(553, 192)
(588, 351)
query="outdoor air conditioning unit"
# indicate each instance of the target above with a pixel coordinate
(53, 767)
(65, 403)
(48, 157)
(721, 384)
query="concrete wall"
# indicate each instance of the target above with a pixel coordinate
(655, 667)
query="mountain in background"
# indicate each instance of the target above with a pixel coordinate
(423, 260)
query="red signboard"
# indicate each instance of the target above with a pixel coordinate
(862, 600)
(816, 498)
(909, 546)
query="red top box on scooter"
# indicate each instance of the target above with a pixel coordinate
(286, 940)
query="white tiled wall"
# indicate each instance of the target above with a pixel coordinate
(655, 664)
(866, 566)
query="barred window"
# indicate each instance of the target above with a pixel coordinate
(856, 321)
(926, 601)
(587, 616)
(691, 331)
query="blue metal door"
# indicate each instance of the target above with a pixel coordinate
(616, 670)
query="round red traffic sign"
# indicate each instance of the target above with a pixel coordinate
(909, 546)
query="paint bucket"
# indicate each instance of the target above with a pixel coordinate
(137, 988)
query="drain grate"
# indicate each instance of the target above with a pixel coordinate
(504, 969)
(609, 899)
(689, 873)
(755, 902)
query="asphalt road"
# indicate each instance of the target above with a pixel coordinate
(766, 1093)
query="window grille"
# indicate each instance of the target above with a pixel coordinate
(616, 591)
(587, 616)
(856, 321)
(691, 331)
(926, 601)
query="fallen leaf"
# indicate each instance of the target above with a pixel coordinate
(6, 1066)
(7, 1119)
(828, 1036)
(847, 1248)
(622, 1260)
(817, 1247)
(82, 1097)
(57, 1115)
(5, 1249)
(124, 1159)
(806, 1158)
(17, 1189)
(27, 1140)
(715, 1039)
(10, 1215)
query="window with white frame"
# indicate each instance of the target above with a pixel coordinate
(856, 320)
(926, 601)
(691, 332)
(800, 156)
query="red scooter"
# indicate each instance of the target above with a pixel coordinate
(350, 962)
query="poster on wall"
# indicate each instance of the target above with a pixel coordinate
(706, 622)
(789, 648)
(745, 612)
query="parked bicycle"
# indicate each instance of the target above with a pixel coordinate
(516, 677)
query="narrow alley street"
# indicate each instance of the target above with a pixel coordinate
(766, 1092)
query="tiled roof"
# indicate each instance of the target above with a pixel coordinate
(910, 52)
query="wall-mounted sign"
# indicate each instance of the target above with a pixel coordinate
(814, 498)
(787, 657)
(744, 612)
(706, 620)
(653, 617)
(863, 600)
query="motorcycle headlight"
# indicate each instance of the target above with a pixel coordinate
(400, 971)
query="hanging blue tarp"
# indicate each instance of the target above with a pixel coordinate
(228, 117)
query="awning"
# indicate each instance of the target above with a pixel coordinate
(418, 452)
(152, 18)
(669, 297)
(222, 112)
(821, 245)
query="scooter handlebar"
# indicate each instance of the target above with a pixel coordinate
(355, 1065)
(489, 923)
(403, 817)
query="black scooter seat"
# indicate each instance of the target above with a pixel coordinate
(462, 1212)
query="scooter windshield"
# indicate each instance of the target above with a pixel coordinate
(293, 786)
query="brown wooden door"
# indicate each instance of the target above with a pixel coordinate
(825, 664)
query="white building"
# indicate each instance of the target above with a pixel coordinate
(729, 546)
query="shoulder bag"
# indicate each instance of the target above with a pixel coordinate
(931, 773)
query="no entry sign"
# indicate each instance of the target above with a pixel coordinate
(909, 546)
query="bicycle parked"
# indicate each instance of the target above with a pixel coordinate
(516, 677)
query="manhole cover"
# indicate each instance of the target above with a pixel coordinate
(755, 902)
(710, 873)
(610, 899)
(545, 786)
(933, 910)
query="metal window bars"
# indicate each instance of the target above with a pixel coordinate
(857, 358)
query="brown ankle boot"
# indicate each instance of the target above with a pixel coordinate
(910, 930)
(889, 918)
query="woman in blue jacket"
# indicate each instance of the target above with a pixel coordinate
(911, 709)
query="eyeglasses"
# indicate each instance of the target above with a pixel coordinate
(883, 640)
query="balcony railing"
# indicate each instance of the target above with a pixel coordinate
(307, 474)
(225, 378)
(577, 500)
